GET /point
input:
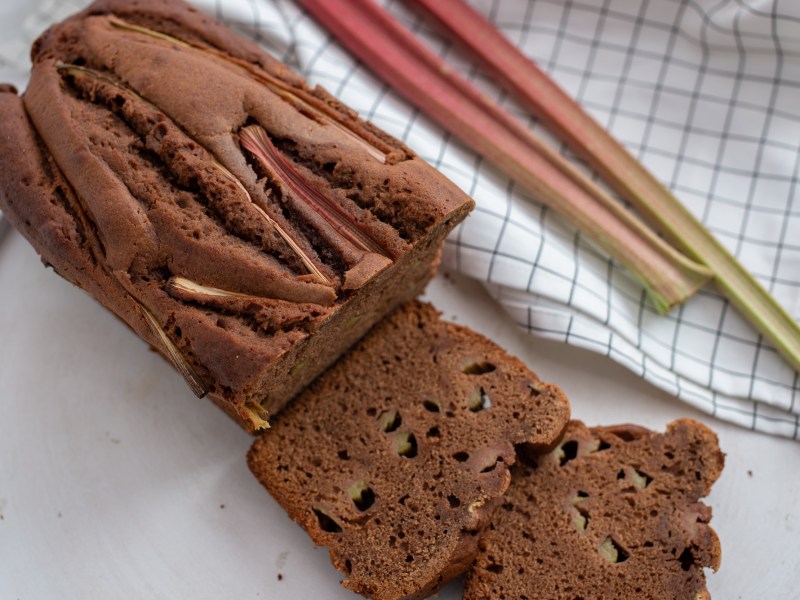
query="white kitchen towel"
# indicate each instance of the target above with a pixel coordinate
(704, 92)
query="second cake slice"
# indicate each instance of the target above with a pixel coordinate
(611, 513)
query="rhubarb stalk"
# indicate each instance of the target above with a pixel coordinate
(173, 353)
(415, 72)
(587, 138)
(256, 141)
(304, 258)
(182, 284)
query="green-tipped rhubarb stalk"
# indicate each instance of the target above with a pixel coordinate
(275, 85)
(256, 141)
(618, 167)
(395, 55)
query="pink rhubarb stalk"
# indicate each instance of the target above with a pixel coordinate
(415, 72)
(256, 141)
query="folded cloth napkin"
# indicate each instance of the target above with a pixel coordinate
(704, 92)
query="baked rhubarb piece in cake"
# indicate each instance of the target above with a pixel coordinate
(612, 513)
(396, 457)
(247, 226)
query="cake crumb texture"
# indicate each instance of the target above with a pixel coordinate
(611, 513)
(396, 457)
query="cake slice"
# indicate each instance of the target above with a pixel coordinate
(247, 226)
(611, 513)
(397, 456)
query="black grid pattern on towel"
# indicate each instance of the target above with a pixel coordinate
(597, 49)
(704, 92)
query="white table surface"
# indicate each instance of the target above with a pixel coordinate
(117, 483)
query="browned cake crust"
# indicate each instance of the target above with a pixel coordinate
(611, 513)
(248, 227)
(397, 456)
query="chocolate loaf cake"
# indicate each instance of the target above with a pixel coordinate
(611, 513)
(397, 456)
(247, 226)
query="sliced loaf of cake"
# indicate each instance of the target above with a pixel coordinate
(396, 457)
(612, 513)
(246, 225)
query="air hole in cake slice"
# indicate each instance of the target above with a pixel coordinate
(432, 405)
(362, 495)
(433, 434)
(326, 522)
(687, 559)
(625, 436)
(461, 456)
(569, 450)
(495, 568)
(478, 368)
